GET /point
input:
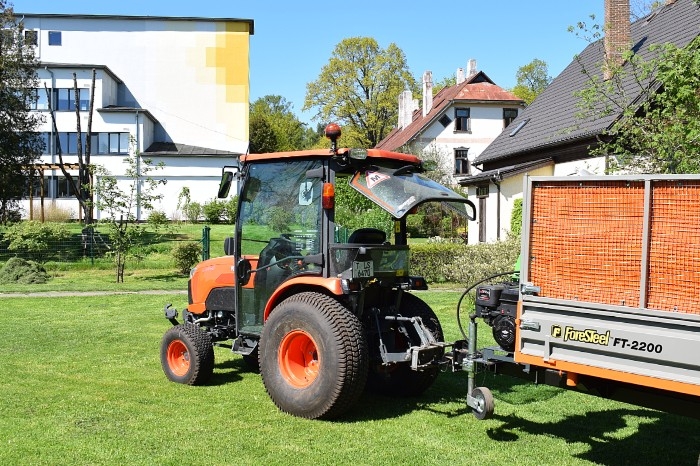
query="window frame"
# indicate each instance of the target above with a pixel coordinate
(52, 38)
(508, 120)
(463, 122)
(461, 158)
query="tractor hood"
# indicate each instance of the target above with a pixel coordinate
(398, 191)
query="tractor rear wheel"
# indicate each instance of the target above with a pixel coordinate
(187, 355)
(400, 379)
(313, 356)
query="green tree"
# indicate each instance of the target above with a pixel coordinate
(262, 135)
(657, 108)
(359, 89)
(532, 79)
(447, 81)
(119, 201)
(20, 144)
(290, 133)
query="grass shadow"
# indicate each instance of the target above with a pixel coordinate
(656, 437)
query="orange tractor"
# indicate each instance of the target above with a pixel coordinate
(320, 313)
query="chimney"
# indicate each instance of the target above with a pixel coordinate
(471, 68)
(427, 92)
(617, 34)
(407, 104)
(460, 76)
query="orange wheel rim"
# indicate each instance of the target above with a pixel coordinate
(178, 358)
(299, 362)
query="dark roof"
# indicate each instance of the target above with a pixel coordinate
(175, 149)
(76, 66)
(123, 109)
(137, 18)
(504, 172)
(552, 119)
(477, 88)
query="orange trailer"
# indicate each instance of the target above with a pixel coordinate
(609, 286)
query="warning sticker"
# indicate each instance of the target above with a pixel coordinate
(374, 178)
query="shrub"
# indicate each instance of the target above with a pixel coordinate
(157, 219)
(186, 256)
(52, 212)
(35, 237)
(516, 217)
(213, 211)
(230, 209)
(18, 270)
(460, 263)
(192, 211)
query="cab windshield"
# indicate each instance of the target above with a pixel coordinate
(399, 190)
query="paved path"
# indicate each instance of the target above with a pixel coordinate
(59, 294)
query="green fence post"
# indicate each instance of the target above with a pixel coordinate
(205, 242)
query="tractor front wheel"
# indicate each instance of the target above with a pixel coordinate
(187, 355)
(313, 356)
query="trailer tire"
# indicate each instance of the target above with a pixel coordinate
(187, 355)
(485, 403)
(400, 379)
(313, 356)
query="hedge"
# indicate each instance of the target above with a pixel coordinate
(461, 263)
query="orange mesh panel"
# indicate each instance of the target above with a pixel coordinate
(586, 240)
(674, 253)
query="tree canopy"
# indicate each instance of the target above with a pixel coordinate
(275, 127)
(658, 128)
(531, 79)
(20, 145)
(359, 89)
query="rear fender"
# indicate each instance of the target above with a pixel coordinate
(331, 285)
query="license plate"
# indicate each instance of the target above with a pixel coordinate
(362, 269)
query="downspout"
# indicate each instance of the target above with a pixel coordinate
(496, 179)
(138, 169)
(52, 141)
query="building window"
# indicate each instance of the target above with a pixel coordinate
(509, 114)
(482, 191)
(461, 161)
(38, 100)
(54, 37)
(64, 188)
(65, 99)
(31, 37)
(462, 120)
(445, 121)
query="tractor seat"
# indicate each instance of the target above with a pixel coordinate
(367, 236)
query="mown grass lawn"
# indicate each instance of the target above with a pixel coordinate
(82, 384)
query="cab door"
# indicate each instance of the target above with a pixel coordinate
(279, 225)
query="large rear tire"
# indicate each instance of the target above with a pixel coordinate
(313, 356)
(187, 355)
(400, 379)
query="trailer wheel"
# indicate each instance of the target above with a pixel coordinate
(484, 403)
(400, 379)
(313, 356)
(187, 355)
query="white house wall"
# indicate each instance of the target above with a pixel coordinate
(191, 75)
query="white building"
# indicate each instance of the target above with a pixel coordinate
(454, 127)
(177, 87)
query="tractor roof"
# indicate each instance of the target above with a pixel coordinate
(371, 153)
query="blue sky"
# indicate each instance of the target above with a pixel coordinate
(293, 40)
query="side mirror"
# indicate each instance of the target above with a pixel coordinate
(228, 246)
(225, 184)
(243, 271)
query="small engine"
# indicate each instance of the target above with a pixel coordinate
(497, 305)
